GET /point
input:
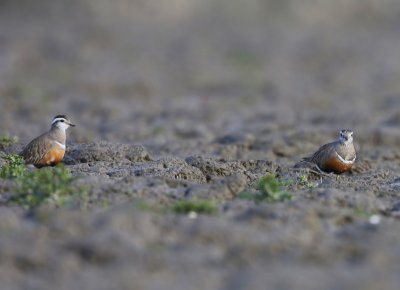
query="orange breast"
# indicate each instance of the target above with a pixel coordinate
(333, 164)
(53, 157)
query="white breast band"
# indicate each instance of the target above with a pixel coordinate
(60, 144)
(344, 160)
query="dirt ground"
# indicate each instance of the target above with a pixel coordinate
(199, 101)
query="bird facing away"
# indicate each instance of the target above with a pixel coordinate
(49, 148)
(336, 157)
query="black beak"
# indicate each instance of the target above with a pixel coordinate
(72, 125)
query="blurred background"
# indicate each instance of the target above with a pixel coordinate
(123, 69)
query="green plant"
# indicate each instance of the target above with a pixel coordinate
(197, 206)
(7, 140)
(14, 167)
(47, 185)
(269, 189)
(143, 205)
(158, 130)
(303, 181)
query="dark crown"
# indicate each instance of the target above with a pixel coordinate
(60, 116)
(346, 131)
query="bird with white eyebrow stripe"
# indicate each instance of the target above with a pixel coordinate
(337, 157)
(49, 148)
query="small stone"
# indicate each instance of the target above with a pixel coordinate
(192, 215)
(374, 219)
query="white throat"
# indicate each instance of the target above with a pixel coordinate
(62, 126)
(346, 142)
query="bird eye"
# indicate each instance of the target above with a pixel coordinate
(62, 121)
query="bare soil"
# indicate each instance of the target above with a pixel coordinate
(199, 102)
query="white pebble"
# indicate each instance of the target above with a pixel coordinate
(192, 215)
(374, 219)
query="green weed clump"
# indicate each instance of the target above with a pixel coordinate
(305, 182)
(14, 167)
(44, 185)
(7, 140)
(269, 189)
(40, 186)
(197, 206)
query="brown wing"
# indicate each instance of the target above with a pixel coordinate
(322, 153)
(36, 150)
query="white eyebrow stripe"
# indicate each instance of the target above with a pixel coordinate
(344, 160)
(60, 144)
(57, 119)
